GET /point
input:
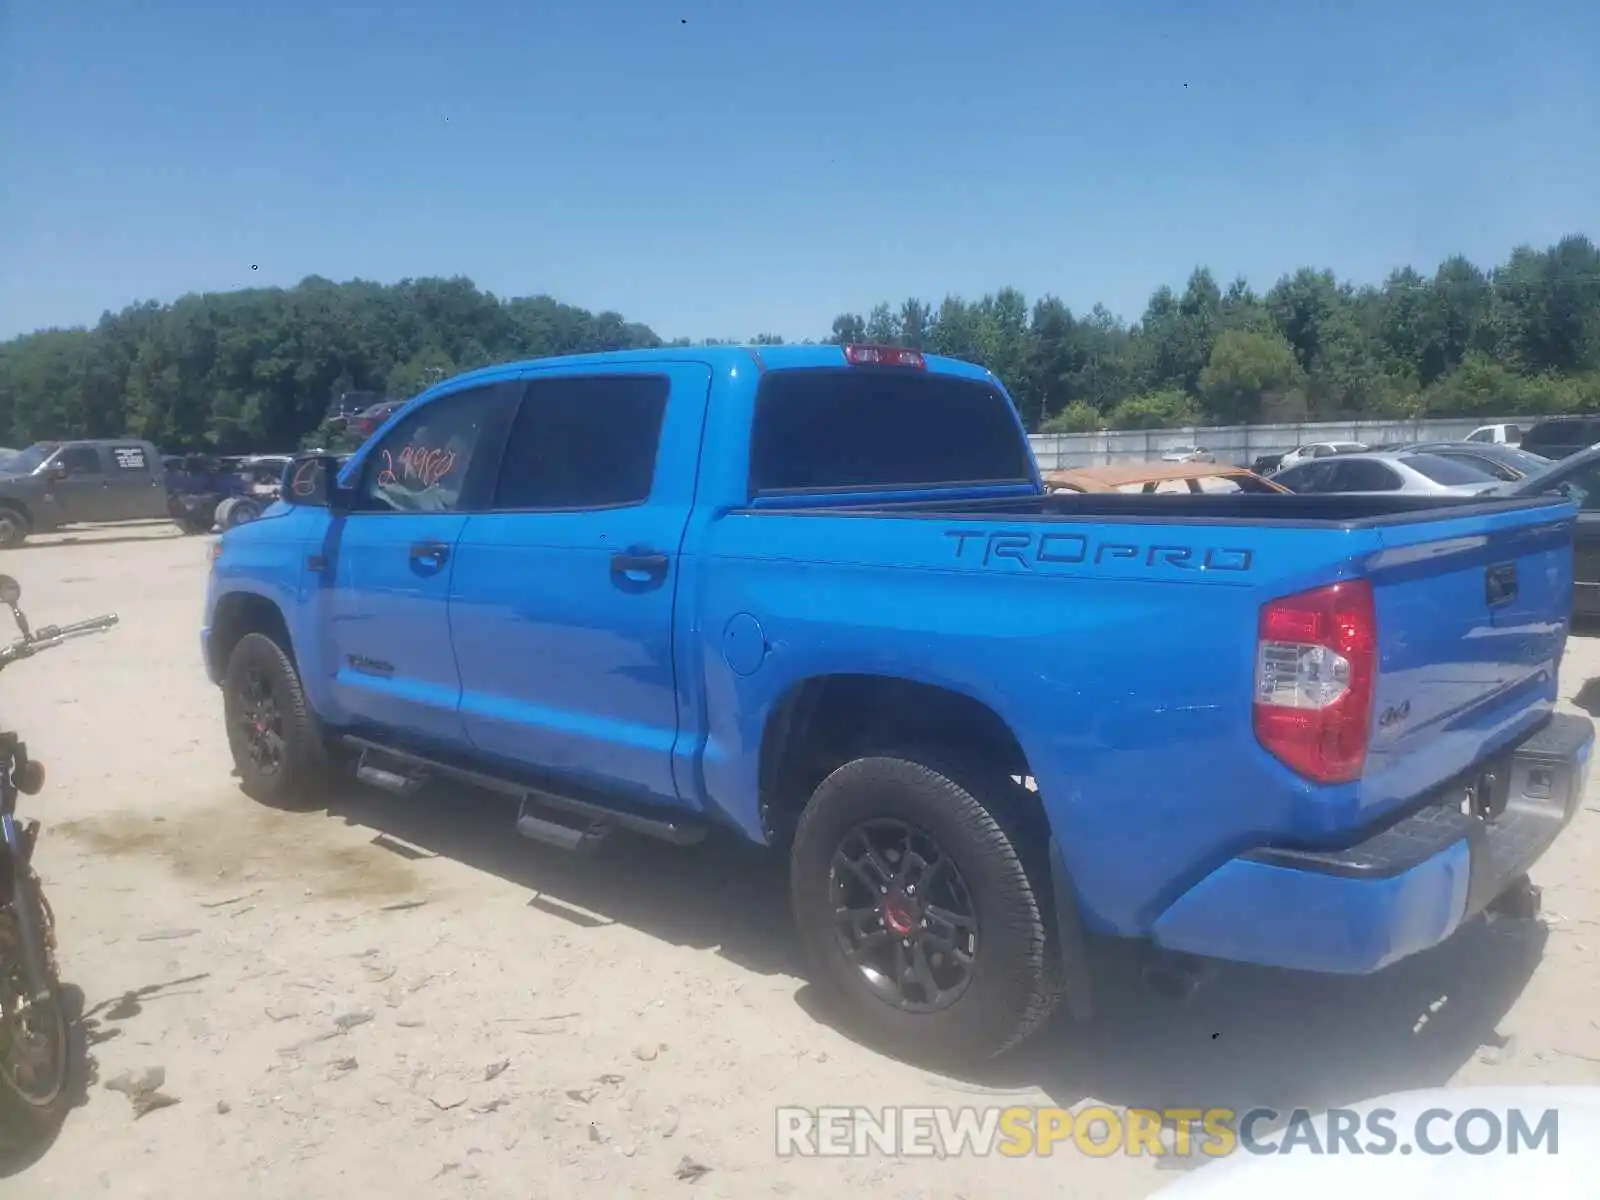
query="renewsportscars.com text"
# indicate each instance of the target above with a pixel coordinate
(1100, 1132)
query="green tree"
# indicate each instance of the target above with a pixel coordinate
(255, 369)
(1170, 409)
(1248, 368)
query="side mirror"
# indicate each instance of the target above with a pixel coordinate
(56, 470)
(311, 481)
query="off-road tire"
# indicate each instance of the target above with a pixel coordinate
(978, 818)
(24, 1123)
(301, 777)
(13, 528)
(238, 510)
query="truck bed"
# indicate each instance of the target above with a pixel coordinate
(1340, 511)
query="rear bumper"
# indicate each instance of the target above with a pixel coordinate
(1402, 888)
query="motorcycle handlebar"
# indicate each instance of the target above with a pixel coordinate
(53, 635)
(77, 629)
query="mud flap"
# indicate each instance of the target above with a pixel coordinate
(1076, 976)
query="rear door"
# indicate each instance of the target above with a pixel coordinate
(392, 558)
(138, 491)
(561, 607)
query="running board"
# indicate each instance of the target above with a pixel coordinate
(555, 818)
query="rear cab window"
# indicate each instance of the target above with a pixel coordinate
(864, 429)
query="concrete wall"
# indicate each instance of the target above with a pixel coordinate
(1241, 444)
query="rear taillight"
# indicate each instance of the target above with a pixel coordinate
(1316, 659)
(883, 356)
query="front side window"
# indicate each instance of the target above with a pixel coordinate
(422, 464)
(582, 443)
(1309, 477)
(81, 460)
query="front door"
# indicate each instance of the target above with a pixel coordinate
(83, 489)
(391, 560)
(562, 602)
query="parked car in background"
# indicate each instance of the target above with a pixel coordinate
(1159, 479)
(365, 422)
(1576, 477)
(1562, 437)
(1401, 471)
(1504, 461)
(6, 455)
(51, 484)
(1189, 454)
(1504, 434)
(1319, 450)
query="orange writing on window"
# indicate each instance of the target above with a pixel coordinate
(415, 466)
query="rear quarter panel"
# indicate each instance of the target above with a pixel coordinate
(1121, 654)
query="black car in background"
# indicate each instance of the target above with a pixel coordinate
(1562, 437)
(1577, 477)
(1505, 463)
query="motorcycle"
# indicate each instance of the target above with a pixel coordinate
(34, 1025)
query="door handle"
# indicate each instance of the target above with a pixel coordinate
(638, 562)
(429, 554)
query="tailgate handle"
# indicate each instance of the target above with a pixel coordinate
(1500, 584)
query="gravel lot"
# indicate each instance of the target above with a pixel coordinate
(401, 998)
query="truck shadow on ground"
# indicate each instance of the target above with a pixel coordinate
(1251, 1037)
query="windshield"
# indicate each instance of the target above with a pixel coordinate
(1449, 472)
(30, 460)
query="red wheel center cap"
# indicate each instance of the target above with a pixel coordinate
(897, 917)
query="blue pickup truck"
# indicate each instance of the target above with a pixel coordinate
(818, 595)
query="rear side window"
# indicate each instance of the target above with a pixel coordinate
(129, 458)
(1364, 475)
(864, 428)
(583, 443)
(1448, 472)
(1478, 462)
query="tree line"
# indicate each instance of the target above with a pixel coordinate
(257, 369)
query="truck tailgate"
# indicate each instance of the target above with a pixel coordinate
(1472, 619)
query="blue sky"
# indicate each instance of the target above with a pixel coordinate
(720, 169)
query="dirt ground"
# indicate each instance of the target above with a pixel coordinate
(399, 998)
